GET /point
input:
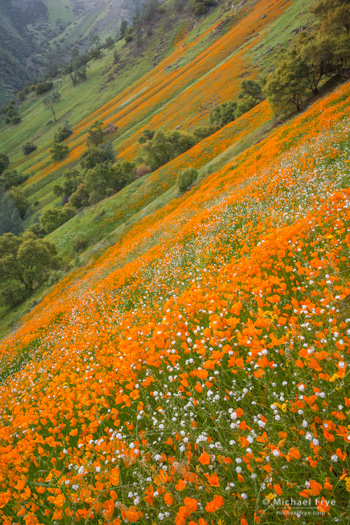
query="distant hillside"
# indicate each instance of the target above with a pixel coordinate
(29, 28)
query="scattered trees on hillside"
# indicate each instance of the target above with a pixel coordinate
(314, 56)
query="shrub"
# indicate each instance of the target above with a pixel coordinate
(224, 114)
(11, 178)
(63, 133)
(28, 148)
(53, 218)
(186, 178)
(59, 152)
(13, 292)
(4, 162)
(43, 87)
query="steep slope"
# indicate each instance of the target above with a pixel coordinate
(29, 27)
(198, 370)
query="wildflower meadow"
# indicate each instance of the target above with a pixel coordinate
(197, 373)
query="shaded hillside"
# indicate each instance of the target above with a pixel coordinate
(31, 28)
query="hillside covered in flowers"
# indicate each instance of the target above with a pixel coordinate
(197, 372)
(177, 346)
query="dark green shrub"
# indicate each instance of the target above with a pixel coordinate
(28, 148)
(43, 87)
(63, 133)
(4, 162)
(59, 152)
(186, 178)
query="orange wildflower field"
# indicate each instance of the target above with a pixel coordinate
(198, 372)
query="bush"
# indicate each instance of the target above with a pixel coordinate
(4, 162)
(59, 152)
(43, 87)
(53, 218)
(11, 178)
(16, 119)
(63, 133)
(95, 155)
(186, 178)
(21, 202)
(80, 197)
(13, 293)
(25, 263)
(28, 148)
(224, 114)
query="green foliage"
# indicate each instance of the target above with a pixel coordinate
(147, 135)
(186, 178)
(20, 200)
(25, 262)
(106, 179)
(10, 218)
(59, 152)
(54, 217)
(12, 178)
(96, 135)
(72, 178)
(287, 85)
(80, 197)
(203, 132)
(129, 35)
(97, 155)
(109, 44)
(63, 133)
(165, 146)
(252, 89)
(224, 114)
(314, 57)
(76, 69)
(28, 148)
(4, 162)
(202, 6)
(43, 87)
(245, 104)
(123, 28)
